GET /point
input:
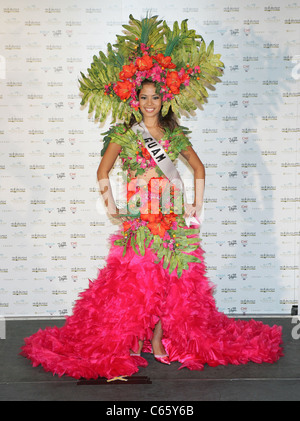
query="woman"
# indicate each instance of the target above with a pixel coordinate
(150, 107)
(152, 295)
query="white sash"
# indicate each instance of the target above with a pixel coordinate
(163, 161)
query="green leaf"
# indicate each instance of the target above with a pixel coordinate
(124, 251)
(132, 243)
(149, 237)
(194, 259)
(165, 108)
(156, 242)
(140, 238)
(210, 48)
(106, 141)
(173, 263)
(160, 252)
(179, 271)
(167, 258)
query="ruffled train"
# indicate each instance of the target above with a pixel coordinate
(130, 295)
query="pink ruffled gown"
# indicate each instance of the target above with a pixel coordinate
(125, 302)
(130, 295)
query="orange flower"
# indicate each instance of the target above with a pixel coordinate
(128, 71)
(145, 153)
(168, 220)
(158, 224)
(184, 77)
(144, 63)
(123, 89)
(173, 82)
(157, 229)
(164, 61)
(151, 218)
(126, 225)
(130, 193)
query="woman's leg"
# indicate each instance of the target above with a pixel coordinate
(141, 343)
(157, 346)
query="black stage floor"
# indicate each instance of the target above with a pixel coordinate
(19, 381)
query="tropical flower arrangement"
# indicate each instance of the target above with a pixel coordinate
(156, 225)
(158, 69)
(177, 60)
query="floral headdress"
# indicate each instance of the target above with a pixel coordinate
(177, 61)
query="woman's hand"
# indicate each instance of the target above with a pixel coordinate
(189, 210)
(193, 214)
(192, 210)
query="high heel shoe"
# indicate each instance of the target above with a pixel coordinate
(139, 360)
(164, 359)
(137, 354)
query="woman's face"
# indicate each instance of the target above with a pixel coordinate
(150, 101)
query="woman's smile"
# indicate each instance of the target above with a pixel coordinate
(150, 101)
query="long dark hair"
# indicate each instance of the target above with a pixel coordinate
(168, 121)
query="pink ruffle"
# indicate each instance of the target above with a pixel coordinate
(125, 302)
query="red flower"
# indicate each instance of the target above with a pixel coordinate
(152, 218)
(165, 62)
(169, 219)
(160, 224)
(145, 153)
(130, 193)
(123, 89)
(128, 71)
(173, 82)
(157, 229)
(184, 77)
(126, 225)
(144, 63)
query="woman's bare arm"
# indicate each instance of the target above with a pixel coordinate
(199, 179)
(106, 164)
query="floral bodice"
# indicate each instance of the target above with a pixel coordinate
(154, 222)
(135, 156)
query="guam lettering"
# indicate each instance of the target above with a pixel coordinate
(154, 152)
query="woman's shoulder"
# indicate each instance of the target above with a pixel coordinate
(179, 137)
(117, 128)
(118, 133)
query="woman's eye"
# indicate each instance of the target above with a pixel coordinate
(144, 97)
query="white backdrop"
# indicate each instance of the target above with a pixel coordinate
(53, 231)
